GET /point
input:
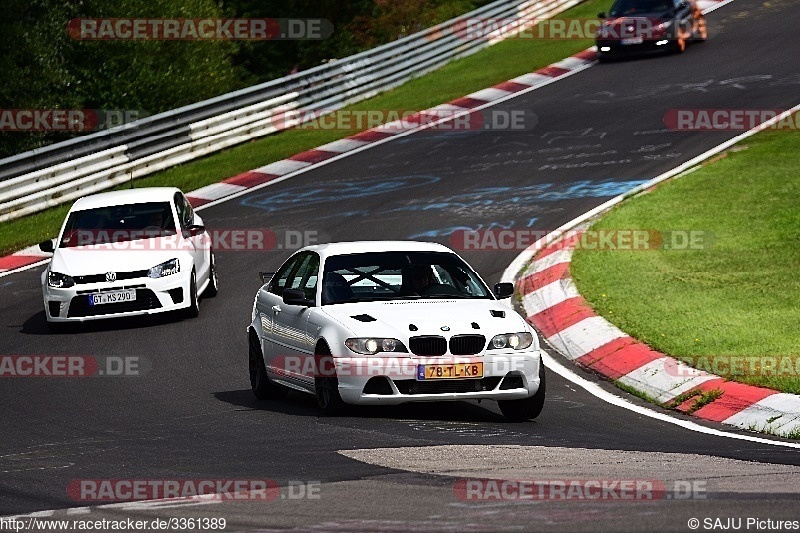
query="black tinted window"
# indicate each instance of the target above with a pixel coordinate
(305, 276)
(118, 223)
(285, 274)
(399, 275)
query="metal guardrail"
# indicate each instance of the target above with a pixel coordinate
(48, 176)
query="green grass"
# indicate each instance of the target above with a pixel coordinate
(700, 399)
(496, 64)
(636, 392)
(738, 296)
(794, 433)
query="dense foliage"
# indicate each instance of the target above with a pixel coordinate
(44, 68)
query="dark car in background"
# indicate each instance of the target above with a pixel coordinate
(642, 27)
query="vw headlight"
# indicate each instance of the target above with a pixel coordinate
(516, 341)
(59, 281)
(373, 345)
(173, 266)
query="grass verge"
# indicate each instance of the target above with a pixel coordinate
(635, 392)
(699, 399)
(496, 64)
(731, 306)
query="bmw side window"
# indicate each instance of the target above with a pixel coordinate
(281, 277)
(308, 267)
(309, 281)
(297, 275)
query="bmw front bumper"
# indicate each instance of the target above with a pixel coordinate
(394, 380)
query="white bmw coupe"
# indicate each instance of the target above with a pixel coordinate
(387, 323)
(130, 252)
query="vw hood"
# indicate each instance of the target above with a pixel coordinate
(88, 260)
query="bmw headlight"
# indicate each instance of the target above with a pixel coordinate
(173, 266)
(516, 341)
(59, 281)
(373, 345)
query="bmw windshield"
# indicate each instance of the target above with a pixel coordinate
(397, 276)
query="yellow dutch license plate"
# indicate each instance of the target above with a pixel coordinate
(450, 371)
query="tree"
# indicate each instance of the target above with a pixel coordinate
(45, 68)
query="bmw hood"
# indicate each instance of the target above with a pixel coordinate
(401, 319)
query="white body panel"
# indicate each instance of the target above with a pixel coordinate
(126, 264)
(290, 335)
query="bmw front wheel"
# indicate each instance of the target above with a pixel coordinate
(527, 408)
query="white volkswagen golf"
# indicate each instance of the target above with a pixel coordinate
(388, 323)
(130, 252)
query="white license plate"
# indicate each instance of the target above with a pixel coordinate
(633, 40)
(112, 297)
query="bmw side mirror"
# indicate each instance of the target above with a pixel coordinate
(47, 246)
(296, 297)
(503, 290)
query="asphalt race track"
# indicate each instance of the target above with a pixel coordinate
(191, 415)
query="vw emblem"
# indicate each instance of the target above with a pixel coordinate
(445, 328)
(111, 277)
